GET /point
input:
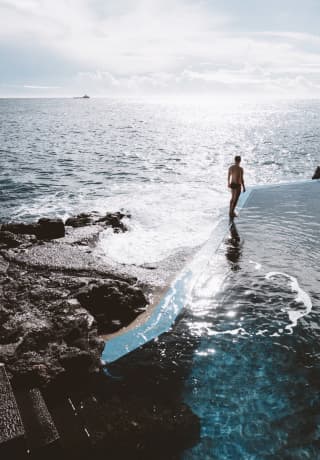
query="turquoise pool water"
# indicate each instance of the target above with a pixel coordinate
(255, 374)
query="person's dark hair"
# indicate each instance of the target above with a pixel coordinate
(237, 159)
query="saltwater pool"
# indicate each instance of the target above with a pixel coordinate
(255, 374)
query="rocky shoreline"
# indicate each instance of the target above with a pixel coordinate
(56, 301)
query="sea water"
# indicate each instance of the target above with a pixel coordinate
(164, 161)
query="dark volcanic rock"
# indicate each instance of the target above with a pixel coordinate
(50, 228)
(4, 265)
(113, 220)
(81, 220)
(10, 240)
(44, 229)
(52, 309)
(113, 303)
(42, 335)
(20, 228)
(316, 173)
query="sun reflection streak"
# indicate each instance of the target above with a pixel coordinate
(208, 352)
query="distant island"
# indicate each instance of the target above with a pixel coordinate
(82, 97)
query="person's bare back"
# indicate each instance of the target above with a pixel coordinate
(236, 174)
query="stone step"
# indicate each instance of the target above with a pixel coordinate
(12, 432)
(39, 425)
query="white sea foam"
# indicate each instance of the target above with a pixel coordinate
(257, 265)
(164, 218)
(163, 221)
(301, 298)
(238, 331)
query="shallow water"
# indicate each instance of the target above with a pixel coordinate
(165, 162)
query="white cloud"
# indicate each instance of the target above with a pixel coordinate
(40, 87)
(153, 45)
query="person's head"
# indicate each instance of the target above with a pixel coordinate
(237, 159)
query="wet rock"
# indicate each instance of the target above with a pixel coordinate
(4, 265)
(50, 228)
(10, 240)
(20, 228)
(113, 220)
(113, 303)
(44, 229)
(316, 173)
(81, 220)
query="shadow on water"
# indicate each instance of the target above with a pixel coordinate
(152, 380)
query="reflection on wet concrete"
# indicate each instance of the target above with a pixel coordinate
(233, 247)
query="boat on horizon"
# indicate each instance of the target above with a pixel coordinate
(82, 97)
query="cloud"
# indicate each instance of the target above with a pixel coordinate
(153, 46)
(40, 87)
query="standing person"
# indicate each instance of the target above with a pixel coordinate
(235, 181)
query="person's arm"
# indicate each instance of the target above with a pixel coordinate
(229, 175)
(242, 181)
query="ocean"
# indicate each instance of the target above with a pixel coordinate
(164, 161)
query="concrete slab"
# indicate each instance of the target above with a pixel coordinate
(11, 427)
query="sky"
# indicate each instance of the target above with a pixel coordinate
(131, 47)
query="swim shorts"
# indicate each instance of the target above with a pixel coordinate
(234, 185)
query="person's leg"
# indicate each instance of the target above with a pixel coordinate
(236, 198)
(232, 202)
